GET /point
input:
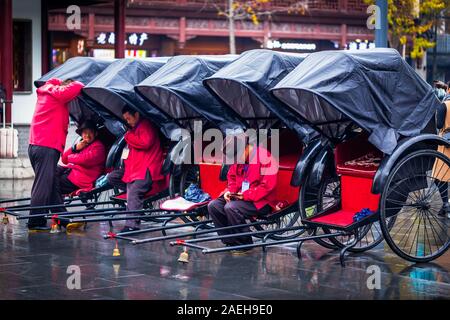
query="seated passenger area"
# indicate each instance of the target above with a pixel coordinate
(356, 164)
(288, 157)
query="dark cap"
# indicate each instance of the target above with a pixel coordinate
(88, 124)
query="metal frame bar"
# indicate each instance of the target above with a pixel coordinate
(55, 206)
(241, 234)
(263, 243)
(196, 233)
(154, 229)
(170, 214)
(66, 214)
(14, 200)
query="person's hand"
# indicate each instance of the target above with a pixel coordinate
(239, 196)
(81, 145)
(226, 196)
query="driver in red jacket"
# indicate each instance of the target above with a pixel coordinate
(48, 132)
(251, 191)
(142, 167)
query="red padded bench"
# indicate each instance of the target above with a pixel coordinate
(356, 162)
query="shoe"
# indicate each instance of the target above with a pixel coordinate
(38, 228)
(75, 226)
(241, 252)
(129, 229)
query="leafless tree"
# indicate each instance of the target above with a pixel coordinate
(254, 10)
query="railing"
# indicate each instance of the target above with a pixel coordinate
(325, 5)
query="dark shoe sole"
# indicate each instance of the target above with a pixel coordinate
(39, 229)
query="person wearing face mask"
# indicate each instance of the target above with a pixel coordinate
(142, 165)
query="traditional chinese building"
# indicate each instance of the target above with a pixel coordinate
(166, 28)
(37, 35)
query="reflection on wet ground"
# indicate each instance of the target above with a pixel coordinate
(34, 266)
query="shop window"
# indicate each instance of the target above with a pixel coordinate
(22, 55)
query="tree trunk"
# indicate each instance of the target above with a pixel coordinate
(231, 27)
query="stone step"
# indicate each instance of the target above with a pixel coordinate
(17, 168)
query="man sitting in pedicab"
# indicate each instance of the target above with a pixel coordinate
(83, 164)
(142, 164)
(251, 191)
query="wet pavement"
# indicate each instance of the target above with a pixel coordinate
(35, 266)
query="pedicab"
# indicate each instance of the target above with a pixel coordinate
(176, 91)
(375, 172)
(83, 69)
(242, 87)
(112, 90)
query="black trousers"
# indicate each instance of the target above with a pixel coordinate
(44, 162)
(64, 185)
(231, 213)
(136, 191)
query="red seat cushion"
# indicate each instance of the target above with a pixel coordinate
(288, 161)
(340, 218)
(364, 167)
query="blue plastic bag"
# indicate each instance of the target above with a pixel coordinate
(194, 194)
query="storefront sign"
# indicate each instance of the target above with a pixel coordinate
(134, 39)
(109, 53)
(360, 45)
(275, 44)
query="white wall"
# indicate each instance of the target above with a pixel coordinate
(23, 104)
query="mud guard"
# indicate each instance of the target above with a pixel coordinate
(405, 145)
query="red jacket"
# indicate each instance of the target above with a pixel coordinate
(145, 153)
(51, 115)
(261, 174)
(87, 165)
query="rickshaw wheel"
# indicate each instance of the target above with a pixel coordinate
(314, 199)
(369, 237)
(290, 219)
(413, 198)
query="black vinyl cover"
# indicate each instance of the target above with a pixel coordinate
(84, 69)
(374, 88)
(244, 86)
(177, 90)
(114, 88)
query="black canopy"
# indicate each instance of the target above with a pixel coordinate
(376, 89)
(114, 88)
(84, 69)
(244, 86)
(177, 90)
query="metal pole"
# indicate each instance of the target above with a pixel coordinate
(119, 28)
(381, 33)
